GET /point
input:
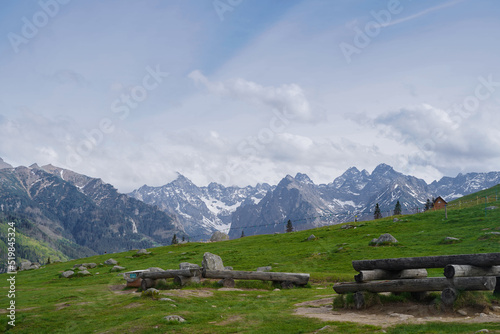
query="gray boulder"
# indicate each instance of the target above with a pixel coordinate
(25, 265)
(143, 252)
(84, 273)
(219, 236)
(81, 268)
(111, 262)
(68, 274)
(89, 265)
(492, 207)
(228, 268)
(174, 317)
(311, 237)
(384, 238)
(117, 268)
(212, 262)
(154, 269)
(265, 269)
(451, 239)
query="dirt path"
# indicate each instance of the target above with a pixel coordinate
(391, 314)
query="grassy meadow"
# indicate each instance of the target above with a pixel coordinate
(46, 303)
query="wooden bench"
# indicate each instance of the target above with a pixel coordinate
(465, 272)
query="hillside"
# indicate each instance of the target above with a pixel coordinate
(99, 303)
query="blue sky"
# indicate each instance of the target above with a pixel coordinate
(240, 92)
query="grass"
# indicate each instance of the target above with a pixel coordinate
(46, 303)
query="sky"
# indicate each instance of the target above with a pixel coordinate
(242, 92)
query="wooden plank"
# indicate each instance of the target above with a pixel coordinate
(298, 279)
(457, 270)
(419, 285)
(171, 273)
(441, 261)
(380, 274)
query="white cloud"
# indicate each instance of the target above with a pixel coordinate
(287, 98)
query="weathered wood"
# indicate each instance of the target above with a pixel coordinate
(171, 273)
(448, 296)
(359, 300)
(380, 274)
(298, 279)
(418, 285)
(456, 270)
(479, 260)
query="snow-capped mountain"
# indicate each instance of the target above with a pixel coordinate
(266, 209)
(201, 210)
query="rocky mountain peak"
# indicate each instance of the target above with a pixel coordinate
(303, 178)
(4, 165)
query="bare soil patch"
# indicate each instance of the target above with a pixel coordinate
(391, 314)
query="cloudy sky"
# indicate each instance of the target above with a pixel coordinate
(247, 91)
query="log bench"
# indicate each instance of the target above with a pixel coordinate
(466, 272)
(183, 276)
(287, 280)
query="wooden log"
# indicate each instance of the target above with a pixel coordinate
(298, 279)
(479, 260)
(171, 273)
(448, 296)
(456, 270)
(380, 274)
(359, 300)
(418, 285)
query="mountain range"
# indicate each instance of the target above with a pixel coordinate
(266, 208)
(77, 215)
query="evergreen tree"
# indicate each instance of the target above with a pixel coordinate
(289, 226)
(183, 238)
(174, 240)
(242, 234)
(377, 214)
(427, 205)
(397, 209)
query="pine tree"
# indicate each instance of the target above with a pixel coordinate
(377, 214)
(397, 209)
(428, 205)
(242, 234)
(289, 226)
(174, 240)
(183, 238)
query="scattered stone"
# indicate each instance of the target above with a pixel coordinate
(142, 252)
(383, 239)
(219, 236)
(117, 268)
(265, 269)
(111, 262)
(68, 274)
(496, 308)
(311, 237)
(187, 265)
(482, 315)
(174, 318)
(151, 292)
(84, 273)
(82, 268)
(482, 331)
(154, 269)
(27, 265)
(166, 299)
(494, 233)
(212, 262)
(230, 289)
(347, 226)
(462, 312)
(395, 220)
(90, 265)
(228, 268)
(492, 207)
(277, 289)
(77, 265)
(323, 328)
(451, 239)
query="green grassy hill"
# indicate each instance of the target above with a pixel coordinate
(48, 304)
